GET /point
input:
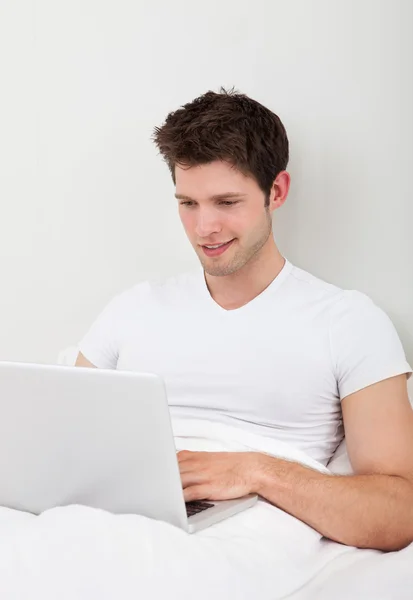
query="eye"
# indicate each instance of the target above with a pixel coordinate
(228, 202)
(188, 203)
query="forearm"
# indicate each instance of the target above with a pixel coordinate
(367, 511)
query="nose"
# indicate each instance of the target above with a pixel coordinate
(207, 223)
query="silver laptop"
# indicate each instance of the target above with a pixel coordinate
(101, 438)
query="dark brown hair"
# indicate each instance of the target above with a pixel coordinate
(225, 126)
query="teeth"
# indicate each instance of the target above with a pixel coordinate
(213, 247)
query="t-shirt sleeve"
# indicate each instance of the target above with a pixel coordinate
(101, 343)
(365, 346)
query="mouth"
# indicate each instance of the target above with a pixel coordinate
(216, 249)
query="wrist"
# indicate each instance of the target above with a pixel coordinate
(278, 477)
(262, 472)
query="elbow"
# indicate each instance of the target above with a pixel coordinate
(394, 532)
(397, 542)
(385, 539)
(389, 536)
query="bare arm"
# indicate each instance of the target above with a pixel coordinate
(373, 508)
(81, 361)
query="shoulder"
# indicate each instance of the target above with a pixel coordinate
(160, 290)
(339, 301)
(307, 289)
(357, 306)
(356, 322)
(364, 344)
(350, 315)
(311, 284)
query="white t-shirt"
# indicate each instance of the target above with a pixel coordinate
(277, 366)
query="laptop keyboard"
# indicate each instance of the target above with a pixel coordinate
(197, 506)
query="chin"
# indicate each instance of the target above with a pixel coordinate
(221, 266)
(219, 270)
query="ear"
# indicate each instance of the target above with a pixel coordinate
(279, 190)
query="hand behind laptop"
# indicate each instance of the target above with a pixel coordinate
(218, 475)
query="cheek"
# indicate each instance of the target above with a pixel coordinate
(254, 221)
(187, 221)
(241, 223)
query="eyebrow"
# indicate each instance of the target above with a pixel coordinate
(225, 196)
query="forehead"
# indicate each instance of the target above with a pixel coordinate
(212, 179)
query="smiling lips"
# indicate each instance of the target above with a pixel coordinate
(216, 249)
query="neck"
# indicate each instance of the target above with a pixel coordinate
(239, 288)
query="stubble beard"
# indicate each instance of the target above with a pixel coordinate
(220, 268)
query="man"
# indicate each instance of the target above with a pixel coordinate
(254, 342)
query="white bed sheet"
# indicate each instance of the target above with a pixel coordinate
(263, 553)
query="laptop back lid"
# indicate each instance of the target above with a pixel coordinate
(96, 437)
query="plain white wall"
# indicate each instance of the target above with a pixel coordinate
(87, 206)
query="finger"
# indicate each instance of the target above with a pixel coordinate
(195, 465)
(197, 492)
(192, 478)
(187, 466)
(185, 455)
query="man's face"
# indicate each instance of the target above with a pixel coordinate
(219, 206)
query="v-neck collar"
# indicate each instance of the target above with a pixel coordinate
(252, 304)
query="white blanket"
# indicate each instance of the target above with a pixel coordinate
(263, 553)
